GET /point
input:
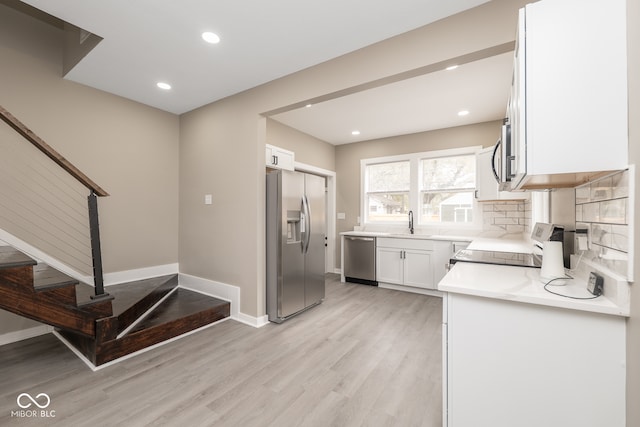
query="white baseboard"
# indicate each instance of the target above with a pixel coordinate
(119, 277)
(114, 278)
(41, 256)
(223, 291)
(128, 356)
(256, 322)
(433, 293)
(36, 331)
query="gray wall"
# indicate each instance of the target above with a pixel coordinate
(222, 144)
(308, 149)
(129, 149)
(348, 158)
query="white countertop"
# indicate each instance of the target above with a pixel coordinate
(408, 236)
(518, 245)
(522, 284)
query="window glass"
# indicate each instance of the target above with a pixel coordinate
(447, 189)
(446, 173)
(438, 187)
(446, 207)
(387, 196)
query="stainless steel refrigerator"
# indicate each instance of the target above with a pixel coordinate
(295, 234)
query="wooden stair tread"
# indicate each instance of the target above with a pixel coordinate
(10, 258)
(124, 295)
(46, 277)
(127, 295)
(181, 312)
(180, 304)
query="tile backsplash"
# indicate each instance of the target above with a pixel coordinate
(512, 216)
(602, 207)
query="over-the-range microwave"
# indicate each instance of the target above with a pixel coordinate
(503, 159)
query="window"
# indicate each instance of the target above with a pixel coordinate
(437, 186)
(446, 191)
(387, 191)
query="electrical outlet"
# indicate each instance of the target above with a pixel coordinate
(582, 239)
(583, 243)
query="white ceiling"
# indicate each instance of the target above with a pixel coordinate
(146, 41)
(431, 101)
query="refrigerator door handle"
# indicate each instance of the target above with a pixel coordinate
(306, 223)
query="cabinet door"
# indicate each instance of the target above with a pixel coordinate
(517, 108)
(389, 265)
(284, 159)
(418, 271)
(269, 158)
(279, 158)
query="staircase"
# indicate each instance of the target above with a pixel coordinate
(132, 317)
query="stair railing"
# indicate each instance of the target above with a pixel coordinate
(95, 191)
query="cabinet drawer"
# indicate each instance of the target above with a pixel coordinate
(419, 244)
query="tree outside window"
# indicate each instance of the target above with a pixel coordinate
(447, 187)
(387, 191)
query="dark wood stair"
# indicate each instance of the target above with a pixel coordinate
(135, 316)
(41, 293)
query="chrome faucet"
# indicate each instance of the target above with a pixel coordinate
(411, 222)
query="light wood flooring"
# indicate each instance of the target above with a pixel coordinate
(365, 357)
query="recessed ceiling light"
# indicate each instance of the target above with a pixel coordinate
(308, 105)
(210, 37)
(355, 132)
(463, 113)
(451, 67)
(162, 85)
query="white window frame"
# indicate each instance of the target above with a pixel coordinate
(414, 191)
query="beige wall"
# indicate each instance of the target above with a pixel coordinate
(222, 144)
(633, 326)
(308, 149)
(129, 149)
(348, 158)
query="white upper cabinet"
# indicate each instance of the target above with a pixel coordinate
(568, 106)
(486, 182)
(279, 158)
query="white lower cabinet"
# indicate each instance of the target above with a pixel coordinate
(516, 364)
(405, 262)
(417, 269)
(389, 265)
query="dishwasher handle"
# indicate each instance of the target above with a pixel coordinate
(365, 239)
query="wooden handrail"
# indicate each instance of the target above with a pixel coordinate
(50, 152)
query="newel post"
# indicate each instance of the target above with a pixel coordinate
(96, 254)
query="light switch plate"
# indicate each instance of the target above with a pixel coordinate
(208, 199)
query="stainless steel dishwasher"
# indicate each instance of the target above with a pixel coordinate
(360, 260)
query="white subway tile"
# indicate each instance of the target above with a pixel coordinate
(620, 237)
(621, 184)
(613, 211)
(591, 212)
(602, 189)
(582, 194)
